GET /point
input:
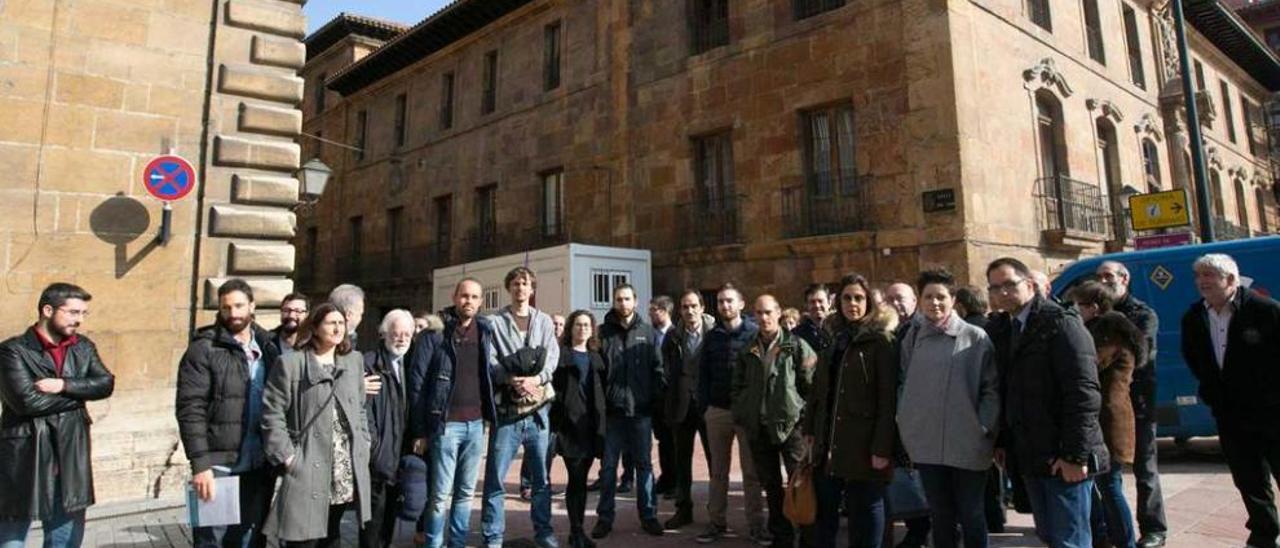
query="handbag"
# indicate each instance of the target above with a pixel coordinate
(800, 503)
(906, 494)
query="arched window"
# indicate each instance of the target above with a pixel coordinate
(1151, 165)
(1049, 131)
(1260, 203)
(1242, 207)
(1215, 192)
(1109, 151)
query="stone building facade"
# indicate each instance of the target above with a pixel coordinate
(90, 91)
(773, 143)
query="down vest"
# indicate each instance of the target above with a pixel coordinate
(213, 381)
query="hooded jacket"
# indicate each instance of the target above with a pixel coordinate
(635, 378)
(432, 364)
(212, 394)
(1120, 346)
(851, 411)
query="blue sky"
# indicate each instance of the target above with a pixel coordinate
(408, 12)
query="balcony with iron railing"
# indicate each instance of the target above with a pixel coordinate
(1224, 230)
(827, 205)
(712, 222)
(1073, 214)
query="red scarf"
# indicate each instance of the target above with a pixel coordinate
(57, 351)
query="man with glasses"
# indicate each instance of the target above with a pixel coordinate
(293, 310)
(1052, 399)
(221, 380)
(46, 376)
(1150, 508)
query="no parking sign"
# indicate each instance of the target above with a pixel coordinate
(169, 177)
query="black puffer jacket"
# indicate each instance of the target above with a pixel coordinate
(1051, 392)
(213, 381)
(39, 431)
(635, 379)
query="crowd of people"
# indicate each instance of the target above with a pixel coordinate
(925, 388)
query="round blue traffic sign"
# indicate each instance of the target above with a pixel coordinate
(169, 178)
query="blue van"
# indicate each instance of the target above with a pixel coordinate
(1164, 280)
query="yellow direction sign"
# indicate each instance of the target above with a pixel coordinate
(1160, 210)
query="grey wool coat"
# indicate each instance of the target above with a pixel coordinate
(296, 391)
(949, 407)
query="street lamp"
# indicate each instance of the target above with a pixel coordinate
(313, 175)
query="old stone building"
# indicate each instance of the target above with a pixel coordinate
(90, 92)
(770, 142)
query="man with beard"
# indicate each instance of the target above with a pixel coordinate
(293, 310)
(817, 302)
(386, 412)
(46, 376)
(221, 380)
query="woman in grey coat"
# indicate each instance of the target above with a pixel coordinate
(314, 425)
(948, 411)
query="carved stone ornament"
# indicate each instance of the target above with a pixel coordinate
(1148, 125)
(1238, 173)
(1168, 42)
(1109, 109)
(1205, 108)
(1213, 157)
(1045, 75)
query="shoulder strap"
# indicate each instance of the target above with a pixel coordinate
(324, 407)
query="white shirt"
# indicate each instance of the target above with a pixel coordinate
(1219, 323)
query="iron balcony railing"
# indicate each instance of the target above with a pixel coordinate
(1071, 205)
(1224, 230)
(827, 205)
(711, 222)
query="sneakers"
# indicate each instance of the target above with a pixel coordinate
(652, 527)
(761, 536)
(713, 533)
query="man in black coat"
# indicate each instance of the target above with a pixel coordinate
(1231, 340)
(633, 388)
(1150, 508)
(681, 408)
(817, 302)
(388, 415)
(46, 376)
(1051, 399)
(221, 380)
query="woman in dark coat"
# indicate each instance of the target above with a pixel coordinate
(577, 415)
(849, 419)
(1120, 345)
(314, 425)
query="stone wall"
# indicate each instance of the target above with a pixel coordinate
(90, 91)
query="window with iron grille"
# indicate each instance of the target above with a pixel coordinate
(1227, 117)
(831, 168)
(402, 111)
(809, 8)
(318, 92)
(551, 56)
(395, 218)
(357, 238)
(1136, 72)
(713, 168)
(1093, 32)
(1038, 12)
(444, 221)
(553, 202)
(709, 23)
(603, 283)
(446, 101)
(489, 84)
(487, 210)
(362, 128)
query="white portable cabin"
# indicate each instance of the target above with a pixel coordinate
(570, 277)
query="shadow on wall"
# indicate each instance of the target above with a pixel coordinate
(119, 221)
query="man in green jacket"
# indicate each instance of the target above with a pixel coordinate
(770, 383)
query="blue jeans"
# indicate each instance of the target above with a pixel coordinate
(1112, 518)
(454, 461)
(61, 529)
(531, 433)
(865, 501)
(633, 435)
(955, 498)
(1061, 511)
(256, 489)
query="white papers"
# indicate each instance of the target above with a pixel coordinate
(224, 509)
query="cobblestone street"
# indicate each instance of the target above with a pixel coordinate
(1203, 509)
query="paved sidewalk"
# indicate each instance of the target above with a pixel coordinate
(1203, 508)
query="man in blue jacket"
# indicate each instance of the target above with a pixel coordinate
(450, 374)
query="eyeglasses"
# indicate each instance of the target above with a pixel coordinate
(293, 311)
(1007, 287)
(74, 313)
